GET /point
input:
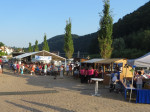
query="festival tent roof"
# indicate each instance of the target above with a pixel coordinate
(92, 60)
(108, 61)
(143, 61)
(41, 53)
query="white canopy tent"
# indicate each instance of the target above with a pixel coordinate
(143, 61)
(41, 53)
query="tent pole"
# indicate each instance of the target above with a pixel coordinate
(111, 67)
(131, 86)
(126, 76)
(65, 63)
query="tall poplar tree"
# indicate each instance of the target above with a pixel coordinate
(36, 48)
(68, 42)
(105, 32)
(30, 48)
(45, 44)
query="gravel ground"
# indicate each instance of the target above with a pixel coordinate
(25, 93)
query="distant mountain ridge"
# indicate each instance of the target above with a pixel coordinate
(81, 43)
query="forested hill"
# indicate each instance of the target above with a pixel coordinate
(134, 32)
(131, 36)
(133, 22)
(81, 43)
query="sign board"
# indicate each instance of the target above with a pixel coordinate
(40, 58)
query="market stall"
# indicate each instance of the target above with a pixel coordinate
(143, 95)
(114, 65)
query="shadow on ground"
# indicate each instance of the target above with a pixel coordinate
(68, 83)
(28, 92)
(49, 106)
(59, 109)
(23, 107)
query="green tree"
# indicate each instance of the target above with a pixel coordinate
(118, 44)
(30, 48)
(36, 48)
(105, 32)
(1, 44)
(45, 44)
(2, 53)
(68, 42)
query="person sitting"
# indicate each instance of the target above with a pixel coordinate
(115, 79)
(115, 83)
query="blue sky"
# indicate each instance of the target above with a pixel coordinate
(24, 21)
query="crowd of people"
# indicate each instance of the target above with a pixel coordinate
(36, 68)
(85, 73)
(88, 72)
(44, 69)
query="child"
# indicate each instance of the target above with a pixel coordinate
(21, 69)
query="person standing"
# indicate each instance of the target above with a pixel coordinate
(21, 69)
(139, 80)
(14, 68)
(0, 66)
(61, 71)
(96, 73)
(45, 69)
(90, 74)
(70, 69)
(32, 69)
(82, 73)
(18, 68)
(55, 72)
(67, 69)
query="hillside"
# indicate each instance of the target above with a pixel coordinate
(133, 30)
(81, 43)
(133, 22)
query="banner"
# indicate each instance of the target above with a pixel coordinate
(40, 58)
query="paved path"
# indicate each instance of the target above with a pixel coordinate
(44, 94)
